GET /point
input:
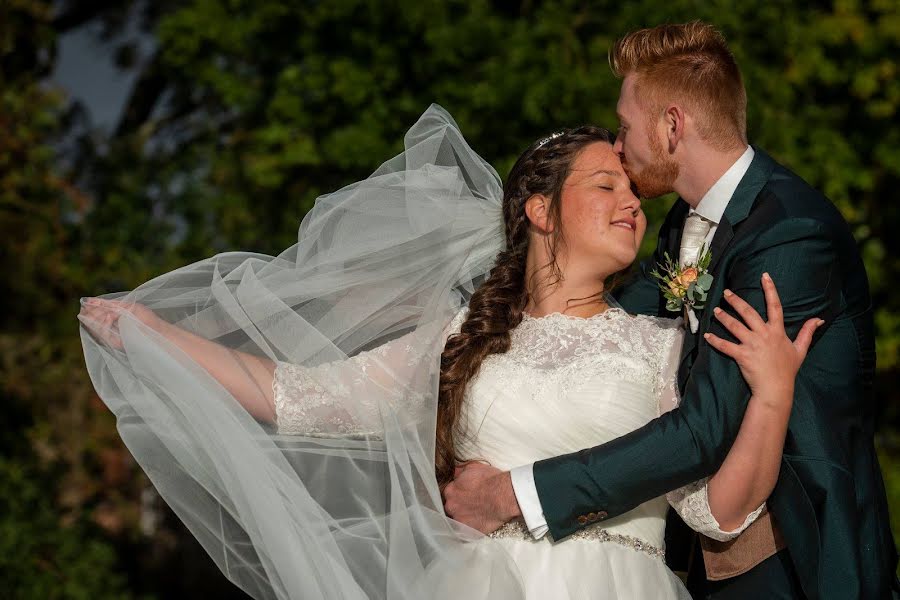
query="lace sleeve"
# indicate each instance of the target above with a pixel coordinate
(691, 502)
(667, 344)
(351, 396)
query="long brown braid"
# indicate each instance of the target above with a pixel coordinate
(497, 306)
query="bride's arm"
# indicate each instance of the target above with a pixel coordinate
(769, 361)
(248, 378)
(341, 397)
(727, 502)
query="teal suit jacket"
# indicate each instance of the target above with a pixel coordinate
(829, 501)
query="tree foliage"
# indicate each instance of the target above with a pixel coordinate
(50, 546)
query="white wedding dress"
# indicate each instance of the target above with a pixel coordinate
(566, 384)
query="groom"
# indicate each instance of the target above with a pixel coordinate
(682, 110)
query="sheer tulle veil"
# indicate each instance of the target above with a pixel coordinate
(323, 515)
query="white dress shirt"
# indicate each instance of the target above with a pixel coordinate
(714, 202)
(711, 207)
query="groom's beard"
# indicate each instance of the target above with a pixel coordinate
(658, 177)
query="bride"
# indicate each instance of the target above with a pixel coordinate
(302, 413)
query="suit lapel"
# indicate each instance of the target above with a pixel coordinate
(721, 240)
(737, 211)
(740, 204)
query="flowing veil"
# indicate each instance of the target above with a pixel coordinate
(328, 513)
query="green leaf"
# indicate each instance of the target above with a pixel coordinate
(692, 289)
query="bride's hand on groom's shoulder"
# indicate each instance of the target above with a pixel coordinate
(767, 357)
(101, 318)
(481, 496)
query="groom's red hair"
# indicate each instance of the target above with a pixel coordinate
(690, 65)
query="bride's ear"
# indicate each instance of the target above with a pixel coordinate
(537, 208)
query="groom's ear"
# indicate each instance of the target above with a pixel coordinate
(537, 209)
(674, 120)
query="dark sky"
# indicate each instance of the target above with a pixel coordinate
(86, 70)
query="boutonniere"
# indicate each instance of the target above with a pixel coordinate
(685, 287)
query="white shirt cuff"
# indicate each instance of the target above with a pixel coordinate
(529, 503)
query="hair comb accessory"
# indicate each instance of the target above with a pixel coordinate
(552, 136)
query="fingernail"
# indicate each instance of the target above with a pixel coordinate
(766, 277)
(717, 310)
(820, 323)
(705, 336)
(727, 292)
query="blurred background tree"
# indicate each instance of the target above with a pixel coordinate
(243, 112)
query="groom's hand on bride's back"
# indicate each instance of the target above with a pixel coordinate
(481, 496)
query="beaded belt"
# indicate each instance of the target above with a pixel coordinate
(518, 530)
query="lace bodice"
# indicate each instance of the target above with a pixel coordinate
(565, 384)
(563, 352)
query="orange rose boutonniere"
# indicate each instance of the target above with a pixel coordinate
(685, 286)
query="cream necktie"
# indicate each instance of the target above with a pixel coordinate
(693, 237)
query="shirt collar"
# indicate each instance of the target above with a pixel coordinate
(712, 205)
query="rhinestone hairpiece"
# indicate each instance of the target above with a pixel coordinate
(552, 136)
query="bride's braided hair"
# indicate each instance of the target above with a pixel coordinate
(497, 306)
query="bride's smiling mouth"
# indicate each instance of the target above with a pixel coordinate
(625, 223)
